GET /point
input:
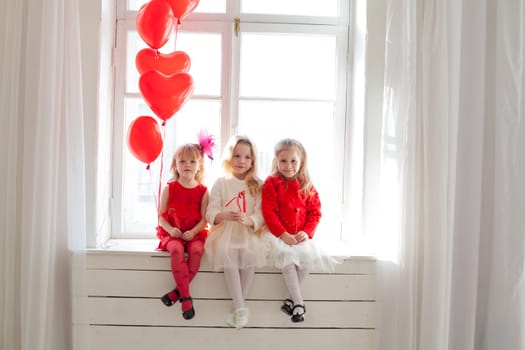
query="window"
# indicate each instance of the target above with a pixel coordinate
(281, 72)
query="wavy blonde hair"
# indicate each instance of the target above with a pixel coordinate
(253, 183)
(191, 151)
(302, 175)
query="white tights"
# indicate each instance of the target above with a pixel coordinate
(238, 281)
(293, 278)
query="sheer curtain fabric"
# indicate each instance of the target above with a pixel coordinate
(42, 205)
(453, 167)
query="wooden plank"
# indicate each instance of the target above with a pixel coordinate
(212, 313)
(152, 260)
(169, 338)
(266, 286)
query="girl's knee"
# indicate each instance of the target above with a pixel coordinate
(175, 249)
(196, 250)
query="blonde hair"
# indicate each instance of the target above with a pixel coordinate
(252, 181)
(302, 175)
(191, 151)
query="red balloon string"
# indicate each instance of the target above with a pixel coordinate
(176, 33)
(154, 196)
(161, 166)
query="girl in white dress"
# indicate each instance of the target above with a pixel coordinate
(234, 211)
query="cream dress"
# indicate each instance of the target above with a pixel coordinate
(231, 244)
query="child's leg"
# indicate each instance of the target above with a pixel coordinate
(247, 273)
(301, 274)
(179, 268)
(291, 280)
(233, 280)
(293, 277)
(195, 251)
(246, 280)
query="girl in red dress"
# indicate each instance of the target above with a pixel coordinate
(182, 223)
(292, 211)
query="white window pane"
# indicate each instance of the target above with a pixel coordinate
(288, 66)
(291, 7)
(140, 186)
(204, 6)
(134, 45)
(268, 122)
(311, 123)
(204, 50)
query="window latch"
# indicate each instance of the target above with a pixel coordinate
(237, 26)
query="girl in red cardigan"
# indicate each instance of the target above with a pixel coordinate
(292, 210)
(182, 223)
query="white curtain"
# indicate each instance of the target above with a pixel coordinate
(453, 176)
(42, 191)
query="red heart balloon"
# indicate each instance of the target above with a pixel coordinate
(144, 139)
(168, 64)
(165, 94)
(155, 22)
(182, 8)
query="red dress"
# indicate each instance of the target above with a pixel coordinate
(287, 209)
(183, 211)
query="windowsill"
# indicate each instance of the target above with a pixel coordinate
(130, 245)
(148, 246)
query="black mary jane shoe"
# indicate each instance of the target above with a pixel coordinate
(166, 300)
(287, 306)
(188, 314)
(298, 317)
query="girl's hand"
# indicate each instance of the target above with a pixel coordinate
(245, 220)
(230, 215)
(301, 236)
(288, 238)
(175, 232)
(188, 235)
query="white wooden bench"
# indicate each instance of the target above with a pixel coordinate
(125, 313)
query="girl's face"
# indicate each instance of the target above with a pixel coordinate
(187, 167)
(288, 163)
(241, 160)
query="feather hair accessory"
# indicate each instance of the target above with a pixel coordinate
(207, 143)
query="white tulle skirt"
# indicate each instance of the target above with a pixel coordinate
(308, 254)
(233, 245)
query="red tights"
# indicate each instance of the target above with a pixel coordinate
(184, 270)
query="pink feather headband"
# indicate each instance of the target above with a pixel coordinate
(207, 143)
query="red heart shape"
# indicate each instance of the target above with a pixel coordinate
(144, 139)
(168, 64)
(182, 8)
(155, 22)
(165, 94)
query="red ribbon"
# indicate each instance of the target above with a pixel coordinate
(240, 197)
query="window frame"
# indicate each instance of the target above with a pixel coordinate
(224, 24)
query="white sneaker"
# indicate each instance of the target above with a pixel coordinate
(241, 317)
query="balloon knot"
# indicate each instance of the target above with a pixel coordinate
(147, 167)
